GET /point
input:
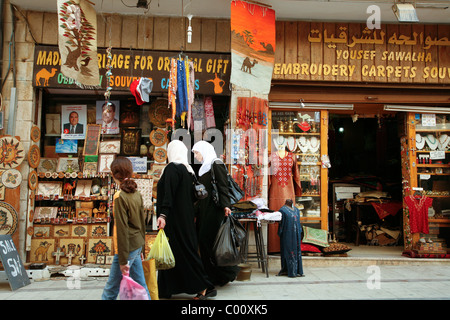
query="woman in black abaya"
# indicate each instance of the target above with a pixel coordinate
(175, 211)
(209, 215)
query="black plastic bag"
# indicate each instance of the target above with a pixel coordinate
(228, 239)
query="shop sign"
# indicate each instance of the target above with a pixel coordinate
(327, 51)
(212, 71)
(15, 270)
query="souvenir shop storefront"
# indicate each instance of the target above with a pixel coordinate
(365, 114)
(78, 136)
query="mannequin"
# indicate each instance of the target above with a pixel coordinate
(290, 232)
(284, 183)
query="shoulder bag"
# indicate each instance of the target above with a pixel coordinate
(234, 191)
(199, 189)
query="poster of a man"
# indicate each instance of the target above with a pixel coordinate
(106, 116)
(73, 121)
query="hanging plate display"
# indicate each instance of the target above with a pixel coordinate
(158, 137)
(35, 133)
(11, 153)
(11, 178)
(158, 112)
(32, 180)
(34, 156)
(8, 218)
(160, 155)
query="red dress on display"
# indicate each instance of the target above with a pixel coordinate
(284, 183)
(418, 213)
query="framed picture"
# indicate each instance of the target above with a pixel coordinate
(101, 259)
(129, 116)
(90, 168)
(108, 116)
(49, 189)
(131, 141)
(66, 146)
(110, 146)
(104, 162)
(64, 164)
(47, 165)
(83, 188)
(109, 260)
(96, 246)
(45, 213)
(92, 140)
(83, 213)
(73, 121)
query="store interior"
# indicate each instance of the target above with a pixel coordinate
(365, 161)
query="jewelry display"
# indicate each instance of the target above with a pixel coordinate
(432, 142)
(420, 142)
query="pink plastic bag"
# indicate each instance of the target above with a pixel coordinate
(131, 290)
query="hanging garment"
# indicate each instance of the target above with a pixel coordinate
(209, 113)
(418, 213)
(284, 183)
(290, 232)
(182, 98)
(172, 92)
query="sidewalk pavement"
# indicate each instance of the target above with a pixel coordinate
(357, 281)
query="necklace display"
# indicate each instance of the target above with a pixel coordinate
(444, 140)
(420, 142)
(303, 144)
(432, 142)
(314, 144)
(279, 141)
(291, 144)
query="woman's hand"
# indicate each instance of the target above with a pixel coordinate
(227, 211)
(125, 269)
(161, 223)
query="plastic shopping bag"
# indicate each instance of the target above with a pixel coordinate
(225, 247)
(161, 252)
(131, 290)
(150, 278)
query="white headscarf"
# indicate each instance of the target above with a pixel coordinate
(178, 153)
(208, 153)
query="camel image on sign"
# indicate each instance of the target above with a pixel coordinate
(252, 46)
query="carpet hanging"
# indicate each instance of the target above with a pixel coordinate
(252, 46)
(77, 39)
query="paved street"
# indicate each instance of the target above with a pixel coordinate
(340, 282)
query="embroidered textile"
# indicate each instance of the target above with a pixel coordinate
(78, 42)
(209, 113)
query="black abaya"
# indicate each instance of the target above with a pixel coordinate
(209, 219)
(175, 201)
(290, 232)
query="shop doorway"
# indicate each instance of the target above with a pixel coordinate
(365, 168)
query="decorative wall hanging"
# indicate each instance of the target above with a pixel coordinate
(35, 133)
(158, 113)
(83, 188)
(160, 155)
(92, 140)
(34, 156)
(158, 137)
(11, 178)
(129, 116)
(47, 165)
(11, 152)
(41, 250)
(145, 187)
(8, 218)
(61, 231)
(252, 46)
(110, 146)
(72, 248)
(98, 247)
(78, 42)
(131, 138)
(104, 162)
(32, 180)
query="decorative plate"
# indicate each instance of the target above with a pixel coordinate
(8, 219)
(160, 155)
(158, 112)
(12, 153)
(11, 178)
(34, 156)
(158, 137)
(32, 180)
(35, 133)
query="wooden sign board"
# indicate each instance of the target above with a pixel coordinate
(17, 275)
